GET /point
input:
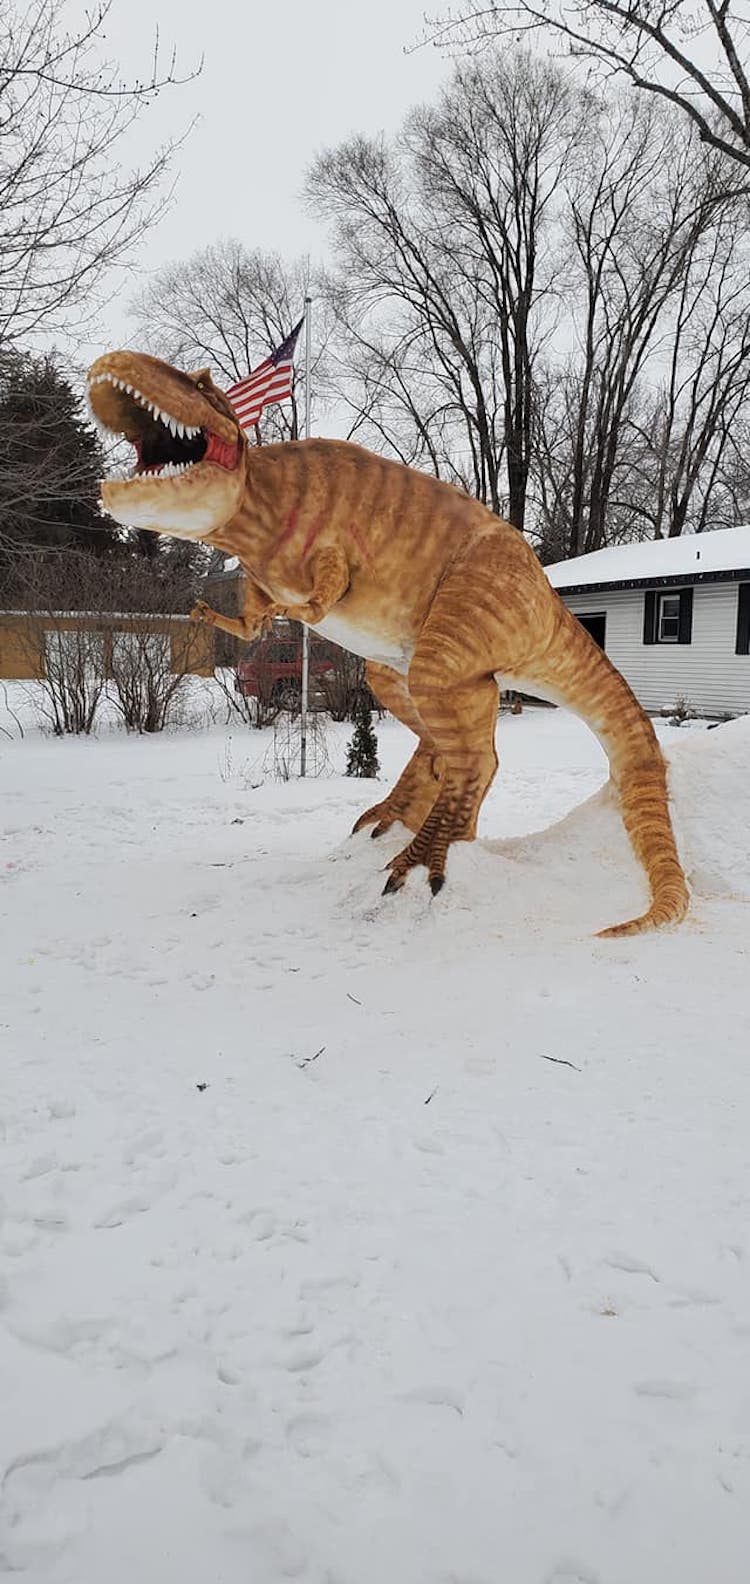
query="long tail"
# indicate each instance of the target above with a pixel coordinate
(574, 671)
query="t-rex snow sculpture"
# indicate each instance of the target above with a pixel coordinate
(442, 598)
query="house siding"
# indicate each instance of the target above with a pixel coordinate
(707, 672)
(22, 640)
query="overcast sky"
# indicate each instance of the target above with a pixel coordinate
(280, 82)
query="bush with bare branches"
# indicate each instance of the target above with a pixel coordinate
(260, 708)
(113, 627)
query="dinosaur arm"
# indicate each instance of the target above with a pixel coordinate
(256, 614)
(331, 576)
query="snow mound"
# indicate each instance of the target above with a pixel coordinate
(580, 874)
(710, 788)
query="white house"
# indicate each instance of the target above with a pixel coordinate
(672, 614)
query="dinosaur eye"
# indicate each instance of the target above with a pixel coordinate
(199, 385)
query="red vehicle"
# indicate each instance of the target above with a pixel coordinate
(273, 668)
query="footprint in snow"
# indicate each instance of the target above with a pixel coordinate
(571, 1573)
(676, 1391)
(123, 1210)
(631, 1265)
(308, 1434)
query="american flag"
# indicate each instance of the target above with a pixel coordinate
(270, 382)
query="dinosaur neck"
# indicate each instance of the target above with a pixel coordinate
(255, 527)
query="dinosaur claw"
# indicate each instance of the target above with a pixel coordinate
(392, 884)
(377, 830)
(437, 881)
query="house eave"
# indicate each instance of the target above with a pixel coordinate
(685, 580)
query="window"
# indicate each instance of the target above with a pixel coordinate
(596, 626)
(668, 624)
(77, 651)
(668, 616)
(131, 650)
(742, 646)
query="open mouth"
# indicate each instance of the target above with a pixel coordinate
(164, 446)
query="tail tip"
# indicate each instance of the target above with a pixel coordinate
(662, 914)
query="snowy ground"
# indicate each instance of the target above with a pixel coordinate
(362, 1241)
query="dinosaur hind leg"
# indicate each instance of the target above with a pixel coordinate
(411, 799)
(572, 670)
(457, 699)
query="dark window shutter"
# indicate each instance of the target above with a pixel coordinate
(649, 617)
(742, 645)
(686, 616)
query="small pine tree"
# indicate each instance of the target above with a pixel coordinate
(362, 757)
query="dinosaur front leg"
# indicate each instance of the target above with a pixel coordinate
(256, 615)
(460, 712)
(412, 797)
(330, 580)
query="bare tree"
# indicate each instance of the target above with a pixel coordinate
(694, 58)
(227, 307)
(343, 686)
(643, 219)
(444, 284)
(706, 391)
(68, 210)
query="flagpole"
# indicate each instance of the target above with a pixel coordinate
(305, 630)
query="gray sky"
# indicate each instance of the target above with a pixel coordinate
(281, 81)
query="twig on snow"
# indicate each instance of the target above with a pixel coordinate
(559, 1061)
(430, 1095)
(306, 1060)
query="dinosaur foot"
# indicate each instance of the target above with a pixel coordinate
(380, 815)
(411, 800)
(453, 818)
(432, 855)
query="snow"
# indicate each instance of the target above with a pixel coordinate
(720, 550)
(349, 1239)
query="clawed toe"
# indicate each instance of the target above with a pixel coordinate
(364, 819)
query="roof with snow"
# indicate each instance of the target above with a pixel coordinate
(723, 554)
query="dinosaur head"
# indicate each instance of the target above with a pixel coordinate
(190, 451)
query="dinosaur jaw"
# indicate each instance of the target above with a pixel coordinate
(188, 474)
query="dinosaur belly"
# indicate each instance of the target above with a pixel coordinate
(382, 648)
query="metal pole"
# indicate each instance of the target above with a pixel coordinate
(305, 632)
